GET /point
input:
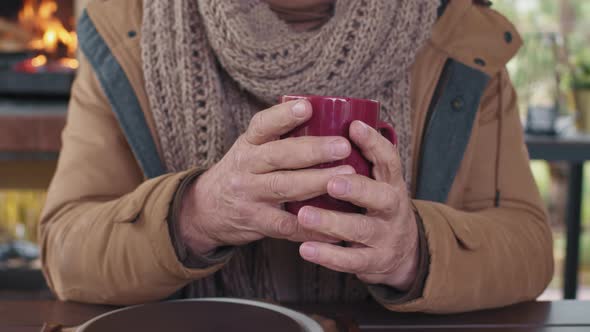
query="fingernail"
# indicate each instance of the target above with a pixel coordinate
(339, 148)
(339, 186)
(362, 128)
(345, 170)
(308, 250)
(299, 109)
(310, 217)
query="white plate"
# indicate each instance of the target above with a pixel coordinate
(307, 324)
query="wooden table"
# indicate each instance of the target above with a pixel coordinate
(562, 316)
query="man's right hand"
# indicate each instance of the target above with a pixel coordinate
(239, 199)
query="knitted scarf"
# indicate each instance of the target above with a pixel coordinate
(210, 65)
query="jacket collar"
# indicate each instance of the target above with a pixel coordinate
(475, 35)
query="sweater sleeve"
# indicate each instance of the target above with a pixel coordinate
(185, 255)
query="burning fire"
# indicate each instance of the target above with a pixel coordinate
(50, 35)
(39, 61)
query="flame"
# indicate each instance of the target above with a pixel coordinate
(39, 17)
(39, 61)
(69, 63)
(27, 13)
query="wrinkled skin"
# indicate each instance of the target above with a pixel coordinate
(383, 241)
(239, 199)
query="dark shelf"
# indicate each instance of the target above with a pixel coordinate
(574, 148)
(22, 279)
(39, 84)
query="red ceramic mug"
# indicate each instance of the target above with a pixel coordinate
(332, 116)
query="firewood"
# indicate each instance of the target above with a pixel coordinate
(14, 31)
(12, 46)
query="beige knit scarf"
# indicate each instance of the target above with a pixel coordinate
(209, 65)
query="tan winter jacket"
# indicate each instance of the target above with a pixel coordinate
(104, 231)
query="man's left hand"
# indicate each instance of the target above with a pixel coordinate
(383, 243)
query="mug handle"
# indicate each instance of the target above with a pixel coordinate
(387, 131)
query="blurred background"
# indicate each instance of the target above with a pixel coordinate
(551, 75)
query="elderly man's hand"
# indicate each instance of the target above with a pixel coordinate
(382, 243)
(239, 199)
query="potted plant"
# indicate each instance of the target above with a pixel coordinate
(580, 83)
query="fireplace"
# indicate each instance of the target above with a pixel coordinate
(38, 47)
